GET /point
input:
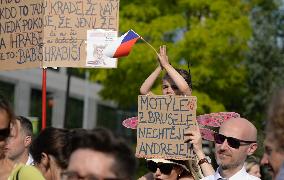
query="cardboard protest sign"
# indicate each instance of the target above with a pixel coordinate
(21, 30)
(51, 33)
(162, 124)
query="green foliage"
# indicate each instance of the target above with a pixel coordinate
(265, 60)
(215, 44)
(206, 105)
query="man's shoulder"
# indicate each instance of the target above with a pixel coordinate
(26, 172)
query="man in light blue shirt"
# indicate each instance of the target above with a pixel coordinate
(280, 175)
(234, 142)
(273, 144)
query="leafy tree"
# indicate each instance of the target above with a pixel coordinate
(215, 44)
(265, 60)
(264, 63)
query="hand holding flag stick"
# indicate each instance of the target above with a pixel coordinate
(162, 55)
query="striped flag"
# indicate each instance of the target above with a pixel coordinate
(122, 46)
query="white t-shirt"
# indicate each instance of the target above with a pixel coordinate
(240, 175)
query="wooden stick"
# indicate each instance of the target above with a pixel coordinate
(149, 45)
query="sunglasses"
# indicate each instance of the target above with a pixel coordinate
(232, 142)
(4, 133)
(165, 168)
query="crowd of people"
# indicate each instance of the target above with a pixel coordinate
(60, 153)
(99, 154)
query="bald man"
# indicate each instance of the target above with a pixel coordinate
(234, 142)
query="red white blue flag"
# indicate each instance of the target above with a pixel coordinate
(122, 46)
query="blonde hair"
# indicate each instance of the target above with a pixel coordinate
(250, 162)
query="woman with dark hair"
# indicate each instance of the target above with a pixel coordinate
(51, 150)
(170, 169)
(193, 169)
(175, 81)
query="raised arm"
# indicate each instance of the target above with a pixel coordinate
(174, 75)
(148, 83)
(193, 136)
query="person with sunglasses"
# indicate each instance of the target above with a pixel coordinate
(234, 142)
(169, 169)
(10, 170)
(192, 169)
(6, 118)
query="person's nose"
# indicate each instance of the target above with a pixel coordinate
(158, 172)
(224, 145)
(170, 90)
(264, 159)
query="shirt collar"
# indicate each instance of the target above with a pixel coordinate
(30, 160)
(239, 175)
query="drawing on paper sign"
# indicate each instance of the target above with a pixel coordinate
(98, 54)
(97, 40)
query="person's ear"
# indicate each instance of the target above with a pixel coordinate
(45, 160)
(28, 141)
(252, 148)
(43, 165)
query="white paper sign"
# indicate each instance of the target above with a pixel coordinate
(97, 41)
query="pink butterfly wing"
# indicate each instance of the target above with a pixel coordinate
(131, 123)
(207, 134)
(215, 119)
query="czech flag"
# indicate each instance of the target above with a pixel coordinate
(122, 46)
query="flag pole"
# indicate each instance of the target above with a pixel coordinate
(149, 44)
(43, 105)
